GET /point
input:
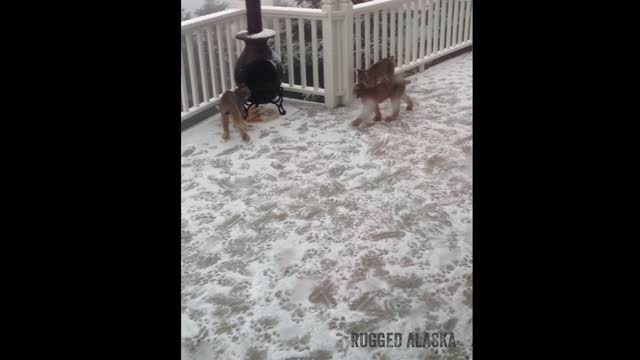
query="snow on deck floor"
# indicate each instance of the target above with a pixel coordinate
(315, 230)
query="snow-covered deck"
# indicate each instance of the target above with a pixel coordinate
(315, 230)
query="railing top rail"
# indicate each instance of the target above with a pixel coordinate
(279, 11)
(376, 5)
(201, 21)
(293, 12)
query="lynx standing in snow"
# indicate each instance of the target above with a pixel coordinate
(377, 84)
(232, 108)
(372, 97)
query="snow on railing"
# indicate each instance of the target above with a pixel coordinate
(317, 47)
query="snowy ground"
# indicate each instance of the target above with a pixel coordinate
(315, 230)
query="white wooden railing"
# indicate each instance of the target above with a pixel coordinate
(292, 50)
(341, 38)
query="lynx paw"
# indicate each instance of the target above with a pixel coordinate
(225, 136)
(356, 122)
(245, 137)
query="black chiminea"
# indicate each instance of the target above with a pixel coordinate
(256, 67)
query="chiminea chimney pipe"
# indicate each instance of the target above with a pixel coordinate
(254, 16)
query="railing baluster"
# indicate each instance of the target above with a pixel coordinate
(463, 9)
(392, 35)
(422, 5)
(461, 21)
(385, 29)
(339, 60)
(408, 40)
(192, 69)
(223, 83)
(440, 23)
(400, 32)
(443, 25)
(457, 27)
(410, 20)
(347, 49)
(415, 41)
(406, 47)
(449, 21)
(467, 18)
(289, 50)
(471, 23)
(415, 35)
(314, 53)
(203, 67)
(303, 54)
(358, 42)
(376, 36)
(211, 62)
(463, 4)
(183, 85)
(430, 27)
(454, 24)
(367, 40)
(454, 35)
(230, 56)
(407, 32)
(276, 28)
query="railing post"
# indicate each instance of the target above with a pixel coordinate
(347, 51)
(329, 55)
